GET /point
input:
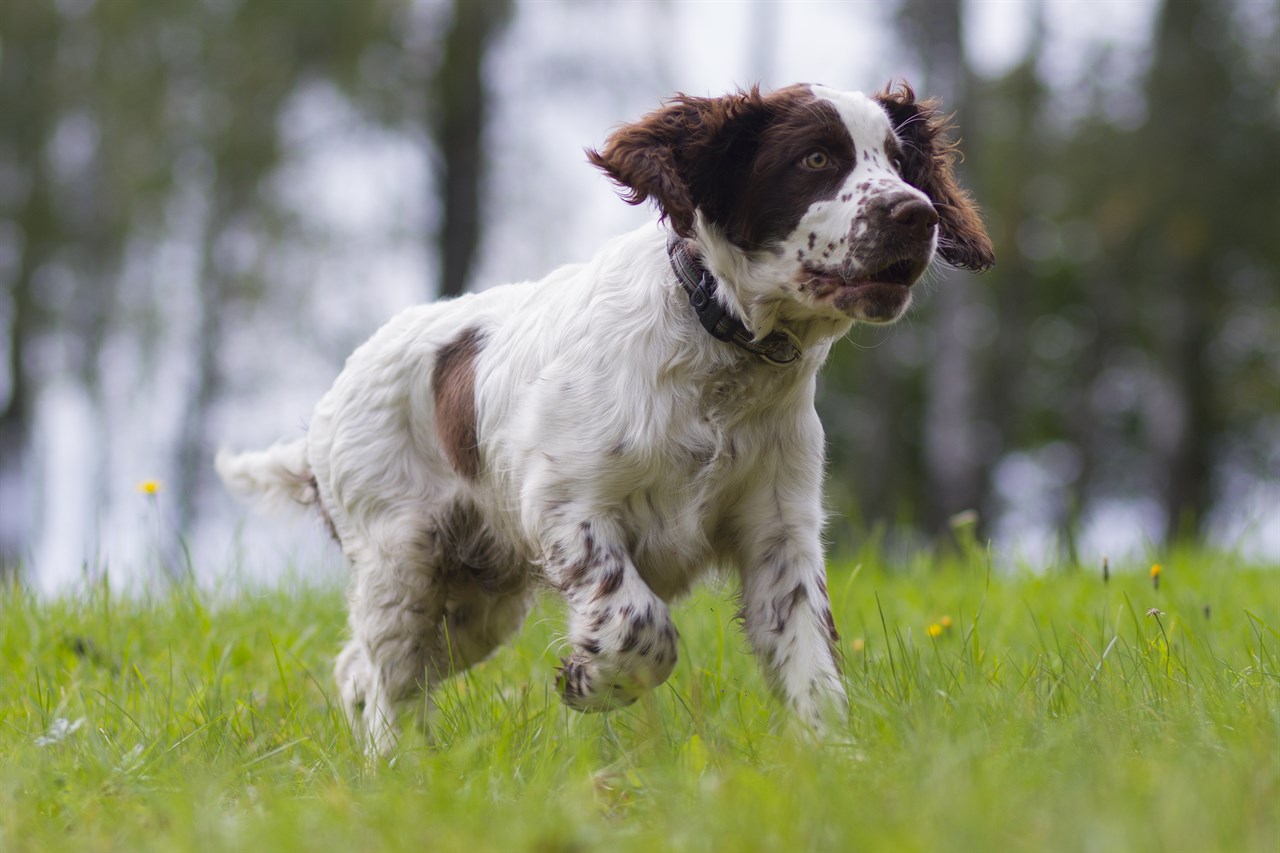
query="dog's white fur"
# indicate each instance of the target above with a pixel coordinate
(624, 454)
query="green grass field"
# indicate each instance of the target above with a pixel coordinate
(987, 713)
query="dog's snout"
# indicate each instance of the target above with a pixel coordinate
(914, 215)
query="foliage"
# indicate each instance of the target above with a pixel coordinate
(1121, 341)
(987, 712)
(1122, 350)
(137, 125)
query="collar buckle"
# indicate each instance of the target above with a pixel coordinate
(780, 348)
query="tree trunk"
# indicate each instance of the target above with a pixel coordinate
(16, 495)
(27, 107)
(459, 134)
(1188, 490)
(194, 455)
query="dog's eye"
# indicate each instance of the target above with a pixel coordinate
(897, 165)
(816, 160)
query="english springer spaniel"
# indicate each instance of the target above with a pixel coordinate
(624, 426)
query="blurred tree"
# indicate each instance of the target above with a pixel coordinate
(1012, 150)
(108, 109)
(954, 470)
(1116, 347)
(1205, 162)
(1162, 245)
(31, 233)
(461, 102)
(83, 179)
(248, 59)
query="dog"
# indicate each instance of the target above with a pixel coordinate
(624, 426)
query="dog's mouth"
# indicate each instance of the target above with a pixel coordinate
(879, 296)
(904, 273)
(901, 273)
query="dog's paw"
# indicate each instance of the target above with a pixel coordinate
(582, 687)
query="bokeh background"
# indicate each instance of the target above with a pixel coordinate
(205, 205)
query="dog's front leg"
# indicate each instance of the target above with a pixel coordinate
(786, 614)
(624, 642)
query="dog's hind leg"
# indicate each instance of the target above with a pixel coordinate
(488, 590)
(397, 608)
(353, 672)
(476, 623)
(430, 607)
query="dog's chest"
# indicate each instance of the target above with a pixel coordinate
(686, 514)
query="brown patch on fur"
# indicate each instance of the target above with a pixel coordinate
(611, 582)
(832, 633)
(927, 154)
(829, 621)
(453, 381)
(785, 604)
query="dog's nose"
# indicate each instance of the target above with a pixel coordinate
(914, 215)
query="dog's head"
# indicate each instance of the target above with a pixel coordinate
(807, 202)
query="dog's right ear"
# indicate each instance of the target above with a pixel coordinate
(679, 155)
(928, 164)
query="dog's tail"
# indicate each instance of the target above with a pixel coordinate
(275, 477)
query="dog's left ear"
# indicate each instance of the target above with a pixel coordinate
(686, 156)
(928, 156)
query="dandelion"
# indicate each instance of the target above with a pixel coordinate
(152, 517)
(935, 630)
(1155, 575)
(945, 622)
(859, 644)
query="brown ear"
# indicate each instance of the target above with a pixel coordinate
(681, 155)
(928, 159)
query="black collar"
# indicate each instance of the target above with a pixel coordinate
(778, 348)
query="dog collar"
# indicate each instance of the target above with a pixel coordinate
(778, 348)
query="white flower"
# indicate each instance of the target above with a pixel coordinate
(58, 731)
(131, 760)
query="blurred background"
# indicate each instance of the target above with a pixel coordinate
(206, 205)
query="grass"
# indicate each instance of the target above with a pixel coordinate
(1052, 713)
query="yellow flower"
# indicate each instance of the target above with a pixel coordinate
(945, 621)
(859, 644)
(1155, 570)
(149, 487)
(935, 630)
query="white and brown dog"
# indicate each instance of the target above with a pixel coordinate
(624, 426)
